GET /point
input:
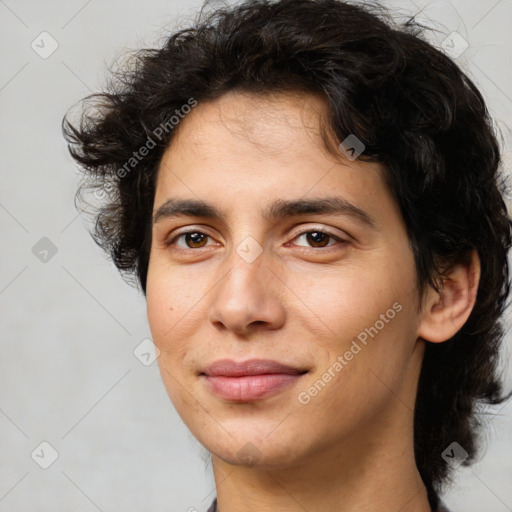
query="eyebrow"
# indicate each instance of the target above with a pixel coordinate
(277, 210)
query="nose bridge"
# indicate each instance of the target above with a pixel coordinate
(248, 292)
(247, 279)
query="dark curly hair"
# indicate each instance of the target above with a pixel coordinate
(414, 109)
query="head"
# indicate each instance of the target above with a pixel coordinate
(233, 129)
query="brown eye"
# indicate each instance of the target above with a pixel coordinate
(192, 240)
(318, 239)
(195, 239)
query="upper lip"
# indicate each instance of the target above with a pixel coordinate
(230, 368)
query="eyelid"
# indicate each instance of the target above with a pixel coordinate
(343, 239)
(343, 236)
(319, 250)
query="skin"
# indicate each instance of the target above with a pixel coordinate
(299, 302)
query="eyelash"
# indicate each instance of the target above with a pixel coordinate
(315, 249)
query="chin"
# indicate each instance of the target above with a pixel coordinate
(251, 451)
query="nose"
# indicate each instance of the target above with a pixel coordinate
(248, 297)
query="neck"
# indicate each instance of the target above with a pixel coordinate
(373, 475)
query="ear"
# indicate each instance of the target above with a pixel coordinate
(444, 313)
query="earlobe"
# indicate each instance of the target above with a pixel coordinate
(444, 313)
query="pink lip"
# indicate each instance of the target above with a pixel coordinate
(249, 380)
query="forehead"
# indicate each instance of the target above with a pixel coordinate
(249, 149)
(274, 124)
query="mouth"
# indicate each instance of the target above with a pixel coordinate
(249, 380)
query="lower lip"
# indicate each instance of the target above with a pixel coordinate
(250, 387)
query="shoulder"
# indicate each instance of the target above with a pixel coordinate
(441, 508)
(213, 506)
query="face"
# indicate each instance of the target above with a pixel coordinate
(270, 270)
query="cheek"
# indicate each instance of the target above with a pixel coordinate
(340, 302)
(155, 297)
(163, 317)
(159, 311)
(175, 313)
(166, 319)
(170, 299)
(367, 319)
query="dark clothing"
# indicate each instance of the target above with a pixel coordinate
(213, 507)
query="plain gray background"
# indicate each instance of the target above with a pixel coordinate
(69, 324)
